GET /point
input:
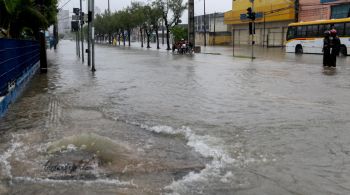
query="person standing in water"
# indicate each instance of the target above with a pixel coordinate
(335, 47)
(326, 49)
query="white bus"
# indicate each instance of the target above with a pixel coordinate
(307, 37)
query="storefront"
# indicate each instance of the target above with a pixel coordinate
(272, 19)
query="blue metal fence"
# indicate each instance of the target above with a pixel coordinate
(16, 57)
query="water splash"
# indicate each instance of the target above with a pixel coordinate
(7, 154)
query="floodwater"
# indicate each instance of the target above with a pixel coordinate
(150, 122)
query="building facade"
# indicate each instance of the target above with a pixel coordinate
(64, 22)
(310, 10)
(272, 19)
(217, 32)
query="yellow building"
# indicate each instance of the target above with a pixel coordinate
(272, 19)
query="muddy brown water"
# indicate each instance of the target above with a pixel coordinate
(150, 122)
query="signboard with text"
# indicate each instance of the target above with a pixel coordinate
(258, 15)
(327, 1)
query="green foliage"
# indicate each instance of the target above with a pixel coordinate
(139, 15)
(179, 33)
(26, 16)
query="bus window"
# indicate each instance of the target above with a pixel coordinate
(340, 28)
(312, 31)
(347, 29)
(299, 34)
(303, 31)
(321, 30)
(291, 33)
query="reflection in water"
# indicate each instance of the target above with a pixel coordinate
(329, 71)
(150, 122)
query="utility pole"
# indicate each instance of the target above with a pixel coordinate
(296, 4)
(253, 20)
(264, 33)
(93, 69)
(163, 32)
(89, 33)
(205, 27)
(214, 28)
(109, 34)
(251, 15)
(55, 35)
(78, 43)
(191, 32)
(233, 42)
(82, 31)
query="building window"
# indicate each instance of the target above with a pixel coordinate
(340, 11)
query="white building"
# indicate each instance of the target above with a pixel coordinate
(217, 32)
(64, 22)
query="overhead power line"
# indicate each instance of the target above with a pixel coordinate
(64, 5)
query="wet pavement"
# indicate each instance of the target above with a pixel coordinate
(150, 122)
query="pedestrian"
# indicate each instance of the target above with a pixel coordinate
(326, 49)
(114, 41)
(335, 47)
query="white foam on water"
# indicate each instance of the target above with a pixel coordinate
(115, 182)
(6, 155)
(200, 144)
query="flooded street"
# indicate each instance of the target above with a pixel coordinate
(150, 122)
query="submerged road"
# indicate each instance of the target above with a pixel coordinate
(150, 122)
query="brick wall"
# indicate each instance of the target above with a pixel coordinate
(313, 10)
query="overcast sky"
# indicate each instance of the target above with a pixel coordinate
(211, 5)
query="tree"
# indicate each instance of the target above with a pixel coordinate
(139, 18)
(179, 33)
(156, 16)
(30, 16)
(147, 25)
(176, 7)
(4, 19)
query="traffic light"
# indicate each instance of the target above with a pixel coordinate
(250, 13)
(76, 11)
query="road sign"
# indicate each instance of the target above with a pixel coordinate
(75, 17)
(76, 11)
(75, 26)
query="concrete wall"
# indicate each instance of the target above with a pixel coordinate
(218, 39)
(272, 34)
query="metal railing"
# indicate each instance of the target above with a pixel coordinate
(16, 57)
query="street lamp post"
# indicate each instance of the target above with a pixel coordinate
(191, 32)
(93, 69)
(82, 31)
(205, 27)
(89, 33)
